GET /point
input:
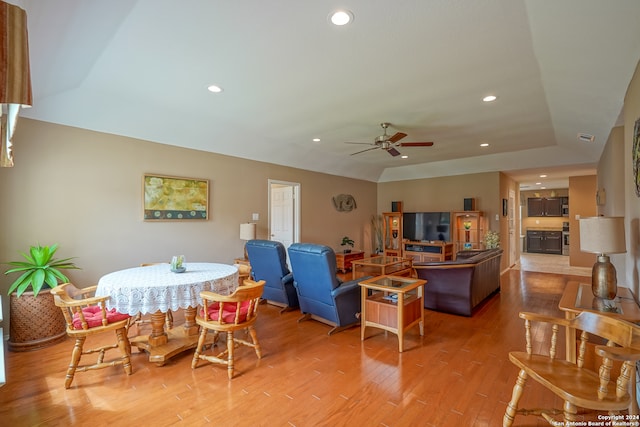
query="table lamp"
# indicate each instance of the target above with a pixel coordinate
(247, 232)
(603, 235)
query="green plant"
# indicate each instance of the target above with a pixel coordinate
(39, 268)
(346, 241)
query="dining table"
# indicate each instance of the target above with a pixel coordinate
(156, 289)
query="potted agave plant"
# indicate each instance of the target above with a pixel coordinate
(35, 321)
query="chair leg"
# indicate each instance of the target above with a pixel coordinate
(256, 344)
(125, 349)
(570, 413)
(512, 407)
(196, 355)
(305, 316)
(76, 353)
(230, 346)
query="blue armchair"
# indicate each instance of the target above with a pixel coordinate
(268, 261)
(320, 293)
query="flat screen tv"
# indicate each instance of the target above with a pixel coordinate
(426, 226)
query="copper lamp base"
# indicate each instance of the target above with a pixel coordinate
(604, 282)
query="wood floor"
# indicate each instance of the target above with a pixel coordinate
(457, 374)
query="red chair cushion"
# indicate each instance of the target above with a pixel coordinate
(228, 312)
(93, 317)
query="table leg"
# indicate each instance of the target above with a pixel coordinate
(570, 339)
(158, 334)
(400, 311)
(363, 315)
(190, 326)
(421, 299)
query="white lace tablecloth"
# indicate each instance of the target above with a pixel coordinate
(155, 287)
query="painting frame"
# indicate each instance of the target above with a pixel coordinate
(174, 198)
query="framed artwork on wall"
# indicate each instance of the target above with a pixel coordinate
(172, 198)
(636, 157)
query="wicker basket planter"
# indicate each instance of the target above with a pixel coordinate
(35, 322)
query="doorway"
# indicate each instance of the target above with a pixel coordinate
(284, 212)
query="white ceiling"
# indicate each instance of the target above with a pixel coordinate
(141, 69)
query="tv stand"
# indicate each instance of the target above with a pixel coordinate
(428, 251)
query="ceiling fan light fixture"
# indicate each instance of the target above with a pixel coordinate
(341, 17)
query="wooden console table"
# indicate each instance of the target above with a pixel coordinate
(578, 297)
(343, 261)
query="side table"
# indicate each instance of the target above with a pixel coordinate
(578, 297)
(394, 304)
(343, 260)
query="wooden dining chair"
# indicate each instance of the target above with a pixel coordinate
(575, 383)
(86, 315)
(229, 313)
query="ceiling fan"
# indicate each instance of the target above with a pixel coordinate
(390, 142)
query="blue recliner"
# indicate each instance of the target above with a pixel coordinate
(268, 261)
(320, 293)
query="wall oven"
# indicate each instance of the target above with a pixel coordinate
(565, 238)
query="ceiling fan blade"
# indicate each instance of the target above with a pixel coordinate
(397, 137)
(368, 149)
(416, 144)
(393, 152)
(362, 143)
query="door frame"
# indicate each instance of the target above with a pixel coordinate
(296, 205)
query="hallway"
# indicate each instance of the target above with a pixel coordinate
(542, 263)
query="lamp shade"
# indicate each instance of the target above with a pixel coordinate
(248, 231)
(602, 235)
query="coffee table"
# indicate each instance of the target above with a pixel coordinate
(380, 266)
(392, 303)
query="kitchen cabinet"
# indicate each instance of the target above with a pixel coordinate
(540, 206)
(544, 242)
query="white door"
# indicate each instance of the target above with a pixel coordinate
(514, 238)
(283, 212)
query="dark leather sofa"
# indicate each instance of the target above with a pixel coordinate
(459, 286)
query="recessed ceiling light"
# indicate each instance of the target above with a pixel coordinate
(341, 17)
(404, 156)
(316, 139)
(484, 144)
(585, 137)
(543, 176)
(543, 188)
(489, 98)
(215, 89)
(538, 183)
